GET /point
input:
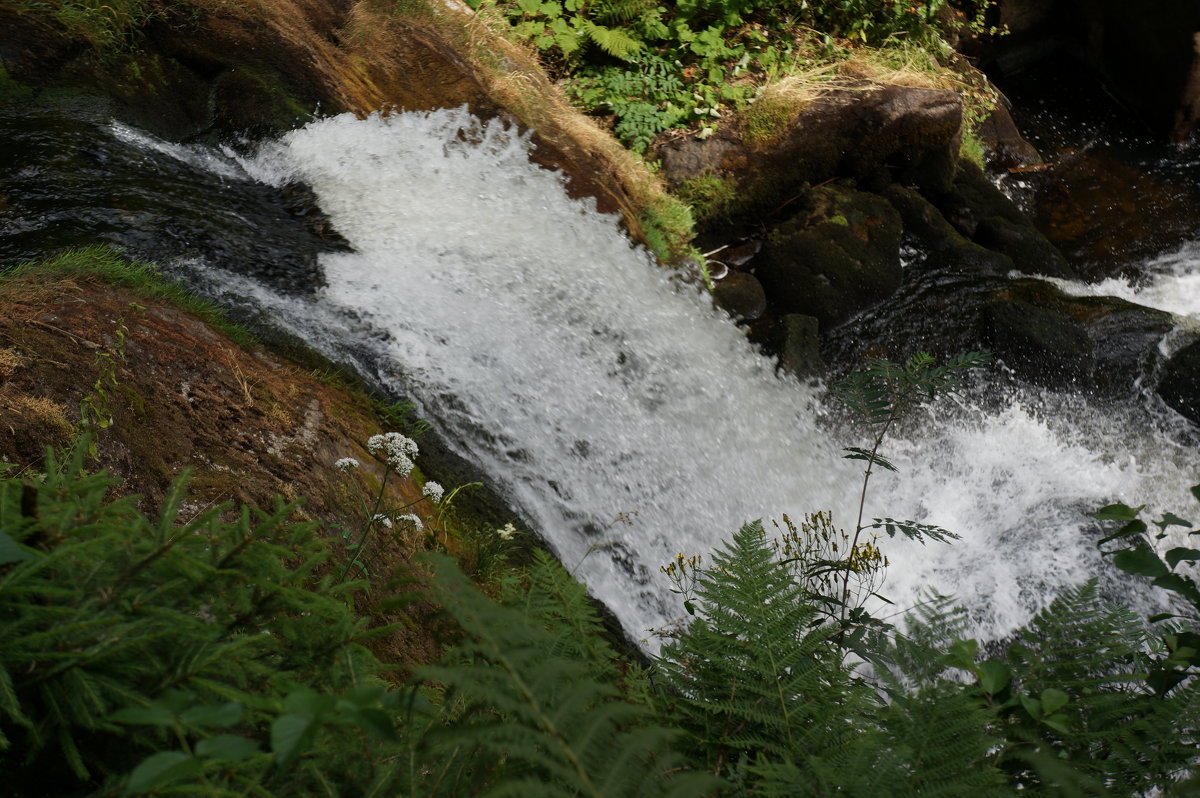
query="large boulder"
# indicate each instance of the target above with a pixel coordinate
(1101, 345)
(862, 132)
(1179, 381)
(838, 256)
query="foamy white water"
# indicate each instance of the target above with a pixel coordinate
(618, 410)
(1169, 282)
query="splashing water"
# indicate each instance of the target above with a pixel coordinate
(630, 421)
(1169, 282)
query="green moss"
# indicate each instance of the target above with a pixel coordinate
(971, 149)
(102, 264)
(709, 196)
(12, 92)
(668, 227)
(766, 120)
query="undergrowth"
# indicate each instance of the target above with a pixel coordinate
(649, 68)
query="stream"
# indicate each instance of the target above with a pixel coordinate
(623, 417)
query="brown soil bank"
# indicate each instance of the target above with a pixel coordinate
(249, 425)
(211, 68)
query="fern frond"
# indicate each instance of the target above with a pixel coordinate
(614, 41)
(535, 722)
(756, 673)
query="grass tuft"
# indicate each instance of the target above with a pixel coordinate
(102, 264)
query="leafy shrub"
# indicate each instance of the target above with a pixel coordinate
(655, 67)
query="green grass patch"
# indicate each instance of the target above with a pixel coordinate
(104, 265)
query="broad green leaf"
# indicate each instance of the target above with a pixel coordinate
(1054, 699)
(962, 653)
(1117, 512)
(1134, 527)
(154, 715)
(994, 676)
(1141, 561)
(160, 769)
(289, 735)
(377, 722)
(229, 747)
(1175, 556)
(221, 717)
(309, 702)
(1170, 519)
(1178, 584)
(1032, 706)
(1058, 723)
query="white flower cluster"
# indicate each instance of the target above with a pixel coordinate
(433, 491)
(399, 450)
(506, 532)
(346, 464)
(383, 521)
(413, 519)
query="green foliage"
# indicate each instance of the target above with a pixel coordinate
(208, 655)
(709, 196)
(537, 711)
(178, 628)
(109, 27)
(654, 67)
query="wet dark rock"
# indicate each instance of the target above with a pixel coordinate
(1102, 345)
(982, 213)
(834, 259)
(800, 352)
(945, 247)
(1028, 248)
(741, 296)
(1100, 211)
(1005, 146)
(1179, 384)
(1039, 344)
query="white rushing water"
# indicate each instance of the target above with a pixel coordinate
(619, 412)
(1169, 282)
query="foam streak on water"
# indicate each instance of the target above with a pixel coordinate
(590, 388)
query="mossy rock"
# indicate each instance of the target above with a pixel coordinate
(839, 256)
(945, 246)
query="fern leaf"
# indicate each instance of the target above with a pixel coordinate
(614, 41)
(536, 722)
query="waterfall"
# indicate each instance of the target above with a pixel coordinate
(629, 421)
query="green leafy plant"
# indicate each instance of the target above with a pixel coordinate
(879, 397)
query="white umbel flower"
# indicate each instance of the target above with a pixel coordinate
(383, 521)
(399, 450)
(346, 464)
(506, 532)
(433, 491)
(413, 519)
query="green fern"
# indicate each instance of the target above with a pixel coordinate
(533, 722)
(756, 674)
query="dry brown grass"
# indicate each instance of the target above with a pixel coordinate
(900, 65)
(10, 361)
(40, 411)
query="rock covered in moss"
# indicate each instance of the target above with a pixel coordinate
(838, 257)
